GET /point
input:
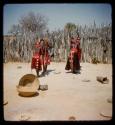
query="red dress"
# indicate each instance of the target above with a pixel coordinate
(75, 47)
(40, 56)
(78, 47)
(75, 54)
(36, 59)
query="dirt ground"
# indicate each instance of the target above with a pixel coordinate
(79, 96)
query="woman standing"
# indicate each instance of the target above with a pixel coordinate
(73, 61)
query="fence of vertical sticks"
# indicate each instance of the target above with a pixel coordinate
(96, 45)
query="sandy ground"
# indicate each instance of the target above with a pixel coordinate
(67, 95)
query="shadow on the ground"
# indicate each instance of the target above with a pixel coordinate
(36, 94)
(47, 72)
(77, 72)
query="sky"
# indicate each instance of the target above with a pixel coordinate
(59, 14)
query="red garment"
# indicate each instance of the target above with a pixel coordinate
(45, 56)
(79, 54)
(75, 42)
(36, 59)
(73, 50)
(37, 45)
(36, 62)
(78, 47)
(75, 47)
(37, 48)
(40, 56)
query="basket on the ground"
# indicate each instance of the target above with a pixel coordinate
(28, 85)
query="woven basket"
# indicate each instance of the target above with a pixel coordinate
(28, 85)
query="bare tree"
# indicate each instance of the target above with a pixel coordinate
(30, 26)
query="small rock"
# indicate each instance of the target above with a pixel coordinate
(103, 80)
(57, 72)
(43, 87)
(85, 80)
(19, 67)
(109, 100)
(24, 118)
(72, 118)
(5, 102)
(107, 114)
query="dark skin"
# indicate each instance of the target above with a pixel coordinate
(74, 65)
(44, 45)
